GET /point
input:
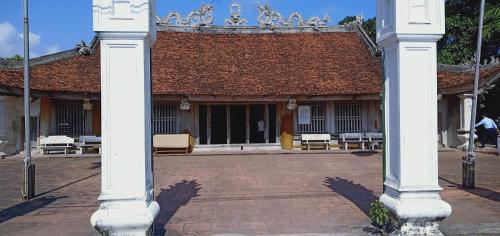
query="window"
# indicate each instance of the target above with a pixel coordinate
(348, 118)
(3, 115)
(71, 119)
(164, 119)
(317, 124)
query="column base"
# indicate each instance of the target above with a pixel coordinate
(463, 138)
(416, 213)
(134, 218)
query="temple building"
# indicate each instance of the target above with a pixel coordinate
(231, 86)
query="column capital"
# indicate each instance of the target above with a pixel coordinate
(466, 96)
(410, 20)
(130, 16)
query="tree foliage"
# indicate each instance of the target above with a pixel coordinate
(368, 25)
(458, 45)
(15, 58)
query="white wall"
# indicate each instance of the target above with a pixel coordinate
(10, 125)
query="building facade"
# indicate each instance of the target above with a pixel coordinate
(232, 86)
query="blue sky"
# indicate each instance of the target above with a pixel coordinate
(57, 25)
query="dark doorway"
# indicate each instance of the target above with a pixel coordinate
(257, 124)
(202, 119)
(219, 125)
(272, 123)
(238, 124)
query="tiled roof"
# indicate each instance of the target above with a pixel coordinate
(459, 78)
(75, 74)
(335, 63)
(328, 63)
(221, 64)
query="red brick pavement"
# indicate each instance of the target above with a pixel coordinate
(245, 194)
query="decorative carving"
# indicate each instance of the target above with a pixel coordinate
(269, 19)
(235, 18)
(185, 104)
(82, 48)
(359, 18)
(201, 17)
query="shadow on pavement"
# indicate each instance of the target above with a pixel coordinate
(68, 184)
(95, 165)
(481, 192)
(356, 193)
(26, 207)
(365, 153)
(171, 200)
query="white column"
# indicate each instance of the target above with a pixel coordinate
(465, 115)
(407, 30)
(126, 30)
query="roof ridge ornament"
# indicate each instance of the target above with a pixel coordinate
(201, 17)
(268, 18)
(360, 18)
(235, 18)
(82, 48)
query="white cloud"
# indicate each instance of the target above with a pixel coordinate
(11, 41)
(34, 38)
(53, 49)
(8, 40)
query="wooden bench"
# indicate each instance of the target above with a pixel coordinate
(315, 139)
(56, 143)
(88, 142)
(357, 138)
(374, 139)
(168, 143)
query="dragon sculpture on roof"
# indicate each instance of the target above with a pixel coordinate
(200, 17)
(269, 19)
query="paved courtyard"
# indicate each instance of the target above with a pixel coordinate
(243, 194)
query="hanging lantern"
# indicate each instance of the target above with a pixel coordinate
(292, 104)
(185, 104)
(87, 105)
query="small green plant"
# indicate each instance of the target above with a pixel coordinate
(379, 214)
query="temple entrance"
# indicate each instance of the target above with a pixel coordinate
(219, 125)
(257, 124)
(237, 124)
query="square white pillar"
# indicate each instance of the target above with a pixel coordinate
(407, 30)
(126, 30)
(465, 116)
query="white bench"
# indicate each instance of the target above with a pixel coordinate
(315, 139)
(163, 143)
(358, 138)
(374, 139)
(56, 143)
(88, 142)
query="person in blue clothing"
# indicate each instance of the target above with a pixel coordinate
(490, 130)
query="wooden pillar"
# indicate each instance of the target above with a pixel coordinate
(96, 118)
(45, 116)
(196, 118)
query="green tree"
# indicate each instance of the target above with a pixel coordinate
(347, 19)
(14, 58)
(458, 45)
(368, 25)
